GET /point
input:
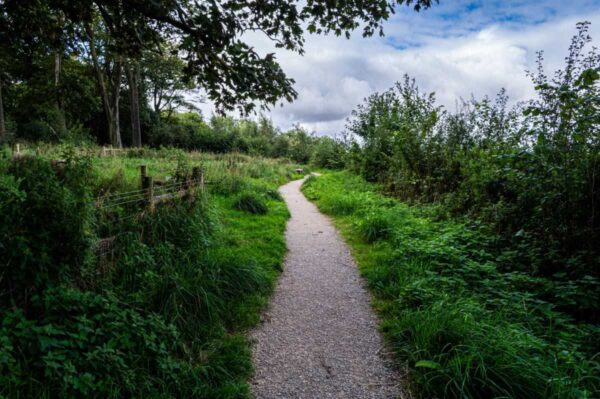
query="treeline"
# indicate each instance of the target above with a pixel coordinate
(226, 134)
(529, 175)
(72, 95)
(116, 70)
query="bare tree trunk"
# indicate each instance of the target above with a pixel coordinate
(59, 108)
(58, 56)
(2, 125)
(116, 96)
(133, 73)
(110, 100)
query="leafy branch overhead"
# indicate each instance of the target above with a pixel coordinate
(209, 35)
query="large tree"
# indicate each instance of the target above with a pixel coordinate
(210, 35)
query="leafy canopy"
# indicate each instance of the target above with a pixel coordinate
(209, 35)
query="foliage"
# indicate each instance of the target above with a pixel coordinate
(463, 326)
(529, 173)
(85, 344)
(46, 226)
(162, 314)
(200, 43)
(251, 203)
(328, 153)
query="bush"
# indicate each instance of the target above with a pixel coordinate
(251, 203)
(46, 224)
(88, 345)
(273, 194)
(529, 173)
(328, 153)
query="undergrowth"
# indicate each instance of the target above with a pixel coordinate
(165, 313)
(464, 327)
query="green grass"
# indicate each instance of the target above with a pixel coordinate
(463, 328)
(165, 316)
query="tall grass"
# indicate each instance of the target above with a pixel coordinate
(464, 328)
(164, 314)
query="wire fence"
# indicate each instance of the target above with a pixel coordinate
(130, 205)
(145, 200)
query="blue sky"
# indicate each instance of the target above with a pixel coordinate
(457, 49)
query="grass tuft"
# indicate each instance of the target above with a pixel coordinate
(251, 203)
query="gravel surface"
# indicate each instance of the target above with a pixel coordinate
(319, 338)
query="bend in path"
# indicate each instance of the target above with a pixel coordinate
(319, 338)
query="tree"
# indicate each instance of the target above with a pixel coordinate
(133, 77)
(165, 80)
(209, 35)
(109, 72)
(2, 123)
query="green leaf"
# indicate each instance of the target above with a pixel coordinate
(429, 364)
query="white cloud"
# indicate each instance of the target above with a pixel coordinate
(336, 74)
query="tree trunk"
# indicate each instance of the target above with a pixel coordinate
(110, 99)
(2, 125)
(59, 108)
(58, 56)
(116, 96)
(133, 73)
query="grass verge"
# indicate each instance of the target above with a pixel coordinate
(463, 328)
(165, 315)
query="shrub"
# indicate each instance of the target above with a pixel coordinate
(273, 194)
(85, 344)
(251, 203)
(375, 226)
(530, 173)
(46, 223)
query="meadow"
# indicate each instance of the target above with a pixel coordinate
(164, 313)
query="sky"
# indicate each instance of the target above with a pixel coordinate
(457, 49)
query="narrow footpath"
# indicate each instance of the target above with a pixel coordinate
(319, 337)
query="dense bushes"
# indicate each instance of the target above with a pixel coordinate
(530, 173)
(492, 291)
(465, 327)
(46, 223)
(225, 134)
(159, 316)
(86, 344)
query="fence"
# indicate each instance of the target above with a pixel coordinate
(19, 148)
(111, 151)
(152, 193)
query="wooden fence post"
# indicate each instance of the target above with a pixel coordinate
(198, 177)
(16, 150)
(148, 186)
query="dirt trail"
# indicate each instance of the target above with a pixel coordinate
(319, 338)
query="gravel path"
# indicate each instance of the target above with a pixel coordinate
(319, 338)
